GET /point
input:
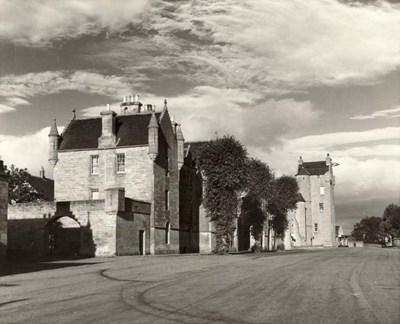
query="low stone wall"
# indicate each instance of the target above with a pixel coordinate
(3, 218)
(28, 227)
(114, 226)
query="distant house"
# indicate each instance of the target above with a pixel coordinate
(43, 185)
(313, 223)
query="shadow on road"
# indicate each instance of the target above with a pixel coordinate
(12, 268)
(13, 301)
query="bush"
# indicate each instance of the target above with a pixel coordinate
(280, 247)
(256, 248)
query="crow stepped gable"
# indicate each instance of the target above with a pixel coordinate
(125, 184)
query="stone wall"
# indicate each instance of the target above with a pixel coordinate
(310, 190)
(166, 179)
(73, 171)
(133, 229)
(3, 213)
(107, 227)
(190, 195)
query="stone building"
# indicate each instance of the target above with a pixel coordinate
(3, 212)
(117, 178)
(194, 223)
(313, 222)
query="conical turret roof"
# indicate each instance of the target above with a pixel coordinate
(53, 129)
(153, 121)
(179, 135)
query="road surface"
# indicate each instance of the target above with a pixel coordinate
(342, 285)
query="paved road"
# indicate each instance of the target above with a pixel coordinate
(343, 285)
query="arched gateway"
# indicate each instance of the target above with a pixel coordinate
(63, 237)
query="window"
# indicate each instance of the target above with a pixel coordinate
(166, 200)
(322, 190)
(167, 233)
(120, 162)
(94, 194)
(321, 207)
(94, 164)
(315, 227)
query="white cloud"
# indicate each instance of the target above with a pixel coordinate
(28, 151)
(17, 87)
(205, 110)
(269, 44)
(5, 109)
(17, 101)
(386, 113)
(366, 170)
(38, 22)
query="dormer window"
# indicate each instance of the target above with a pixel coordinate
(120, 162)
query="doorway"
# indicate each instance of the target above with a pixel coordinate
(142, 242)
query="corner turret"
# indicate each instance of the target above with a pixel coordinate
(181, 140)
(153, 137)
(329, 162)
(54, 139)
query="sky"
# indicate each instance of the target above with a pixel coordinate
(286, 78)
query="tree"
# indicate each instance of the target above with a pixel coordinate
(259, 183)
(391, 220)
(369, 230)
(284, 199)
(223, 163)
(19, 188)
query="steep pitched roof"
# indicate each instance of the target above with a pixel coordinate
(313, 168)
(300, 197)
(43, 185)
(130, 130)
(195, 148)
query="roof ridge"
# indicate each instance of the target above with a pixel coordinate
(66, 127)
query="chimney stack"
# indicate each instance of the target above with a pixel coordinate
(107, 138)
(41, 173)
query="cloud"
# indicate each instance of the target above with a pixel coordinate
(269, 45)
(38, 23)
(387, 113)
(206, 110)
(366, 170)
(29, 151)
(5, 109)
(16, 88)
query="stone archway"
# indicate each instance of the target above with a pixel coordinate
(63, 237)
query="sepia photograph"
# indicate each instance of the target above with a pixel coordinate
(199, 161)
